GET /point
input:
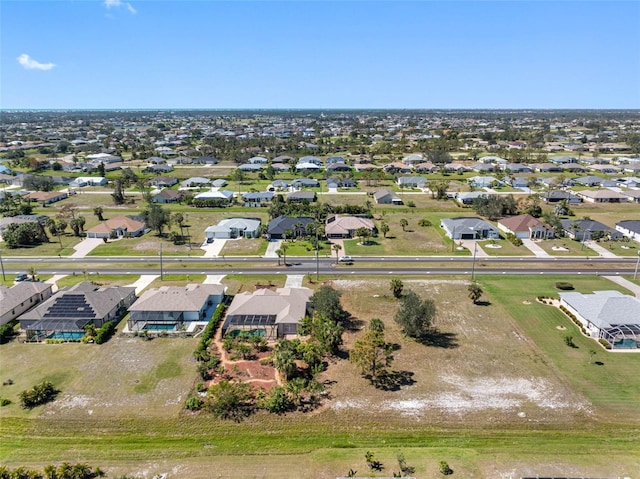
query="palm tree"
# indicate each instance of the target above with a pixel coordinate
(98, 211)
(336, 247)
(404, 223)
(33, 273)
(279, 253)
(284, 247)
(475, 291)
(384, 227)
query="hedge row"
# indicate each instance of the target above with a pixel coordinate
(205, 340)
(574, 319)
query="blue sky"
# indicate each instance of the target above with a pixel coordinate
(319, 54)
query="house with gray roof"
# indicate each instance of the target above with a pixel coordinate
(629, 228)
(386, 197)
(466, 197)
(604, 195)
(255, 199)
(271, 314)
(175, 308)
(214, 197)
(296, 225)
(469, 229)
(21, 297)
(305, 183)
(411, 182)
(65, 314)
(168, 196)
(230, 228)
(302, 196)
(249, 167)
(588, 229)
(608, 315)
(195, 182)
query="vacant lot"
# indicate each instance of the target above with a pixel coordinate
(498, 394)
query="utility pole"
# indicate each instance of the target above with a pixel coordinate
(318, 257)
(473, 265)
(4, 279)
(635, 273)
(161, 274)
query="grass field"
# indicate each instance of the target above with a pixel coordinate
(500, 395)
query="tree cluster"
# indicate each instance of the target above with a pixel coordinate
(63, 471)
(24, 234)
(495, 207)
(40, 394)
(416, 315)
(371, 353)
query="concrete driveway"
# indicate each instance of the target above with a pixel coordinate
(86, 246)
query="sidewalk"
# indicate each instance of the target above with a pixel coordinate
(471, 245)
(294, 281)
(634, 288)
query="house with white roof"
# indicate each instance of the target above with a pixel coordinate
(608, 315)
(230, 228)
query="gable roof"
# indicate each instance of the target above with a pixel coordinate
(282, 223)
(343, 224)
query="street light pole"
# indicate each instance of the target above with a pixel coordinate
(635, 273)
(473, 265)
(161, 274)
(317, 257)
(584, 236)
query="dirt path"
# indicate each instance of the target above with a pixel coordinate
(228, 364)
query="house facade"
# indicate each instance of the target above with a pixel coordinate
(526, 227)
(231, 228)
(630, 229)
(339, 226)
(20, 298)
(117, 227)
(469, 229)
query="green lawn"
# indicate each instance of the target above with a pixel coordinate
(506, 248)
(575, 248)
(614, 386)
(101, 279)
(245, 247)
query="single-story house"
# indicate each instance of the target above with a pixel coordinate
(163, 181)
(413, 158)
(547, 168)
(278, 227)
(602, 196)
(249, 167)
(65, 314)
(168, 196)
(258, 160)
(469, 228)
(305, 183)
(397, 167)
(159, 168)
(82, 181)
(588, 229)
(219, 183)
(484, 181)
(117, 227)
(279, 185)
(386, 197)
(340, 183)
(629, 228)
(234, 228)
(272, 314)
(302, 196)
(411, 182)
(339, 226)
(492, 160)
(563, 160)
(466, 197)
(205, 160)
(175, 308)
(310, 159)
(20, 298)
(518, 168)
(195, 182)
(338, 167)
(425, 167)
(526, 227)
(519, 182)
(555, 196)
(47, 197)
(588, 180)
(483, 167)
(335, 159)
(608, 315)
(254, 199)
(307, 167)
(222, 196)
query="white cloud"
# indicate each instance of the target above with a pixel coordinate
(118, 4)
(31, 64)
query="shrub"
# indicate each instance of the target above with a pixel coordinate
(604, 343)
(445, 469)
(563, 285)
(514, 239)
(40, 394)
(424, 222)
(568, 340)
(411, 204)
(4, 402)
(193, 403)
(277, 401)
(104, 333)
